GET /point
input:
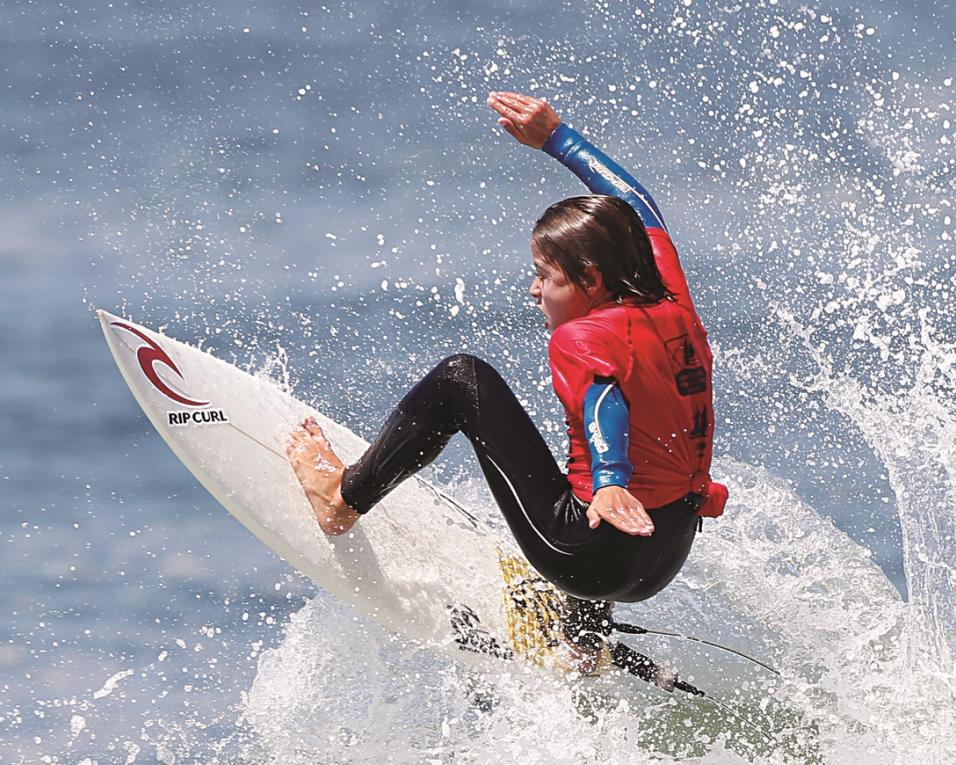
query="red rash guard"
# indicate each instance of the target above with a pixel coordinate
(660, 356)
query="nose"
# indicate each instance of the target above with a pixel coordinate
(535, 289)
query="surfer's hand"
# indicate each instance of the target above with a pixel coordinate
(529, 120)
(621, 509)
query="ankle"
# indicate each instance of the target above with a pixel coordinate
(342, 504)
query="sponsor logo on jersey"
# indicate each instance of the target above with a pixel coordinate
(689, 372)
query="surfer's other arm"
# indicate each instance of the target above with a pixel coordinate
(534, 123)
(606, 422)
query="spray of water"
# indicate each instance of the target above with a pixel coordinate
(803, 163)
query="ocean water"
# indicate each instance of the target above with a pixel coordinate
(319, 193)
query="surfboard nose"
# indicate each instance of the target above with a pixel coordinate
(107, 319)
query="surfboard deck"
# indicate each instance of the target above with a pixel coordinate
(419, 564)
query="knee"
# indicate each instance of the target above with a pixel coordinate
(454, 377)
(463, 368)
(462, 380)
(454, 372)
(459, 363)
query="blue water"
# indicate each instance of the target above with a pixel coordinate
(321, 191)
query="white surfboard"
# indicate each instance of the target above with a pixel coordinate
(419, 563)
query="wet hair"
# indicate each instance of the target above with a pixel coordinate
(604, 232)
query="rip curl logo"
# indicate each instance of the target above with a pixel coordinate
(150, 354)
(196, 417)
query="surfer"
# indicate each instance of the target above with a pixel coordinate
(631, 366)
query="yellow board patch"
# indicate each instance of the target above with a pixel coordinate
(533, 607)
(535, 610)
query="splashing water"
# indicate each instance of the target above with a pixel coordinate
(334, 206)
(852, 336)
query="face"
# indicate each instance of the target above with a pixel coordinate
(559, 299)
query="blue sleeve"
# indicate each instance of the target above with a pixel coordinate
(601, 174)
(607, 425)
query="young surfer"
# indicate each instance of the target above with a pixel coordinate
(631, 366)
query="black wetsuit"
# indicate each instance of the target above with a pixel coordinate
(464, 394)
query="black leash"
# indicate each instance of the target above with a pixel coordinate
(638, 664)
(633, 629)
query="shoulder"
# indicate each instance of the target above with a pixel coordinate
(669, 265)
(660, 240)
(595, 344)
(598, 328)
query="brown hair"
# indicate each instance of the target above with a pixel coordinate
(604, 232)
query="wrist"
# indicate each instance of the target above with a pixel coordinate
(600, 484)
(561, 140)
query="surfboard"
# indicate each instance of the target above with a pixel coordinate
(420, 564)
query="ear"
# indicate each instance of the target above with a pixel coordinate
(595, 280)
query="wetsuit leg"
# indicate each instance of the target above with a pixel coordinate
(657, 559)
(587, 623)
(465, 394)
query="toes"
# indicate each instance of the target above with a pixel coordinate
(309, 437)
(312, 427)
(295, 441)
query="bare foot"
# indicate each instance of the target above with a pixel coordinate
(320, 473)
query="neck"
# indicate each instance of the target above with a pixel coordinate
(601, 298)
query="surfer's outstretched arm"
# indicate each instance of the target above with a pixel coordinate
(534, 123)
(601, 174)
